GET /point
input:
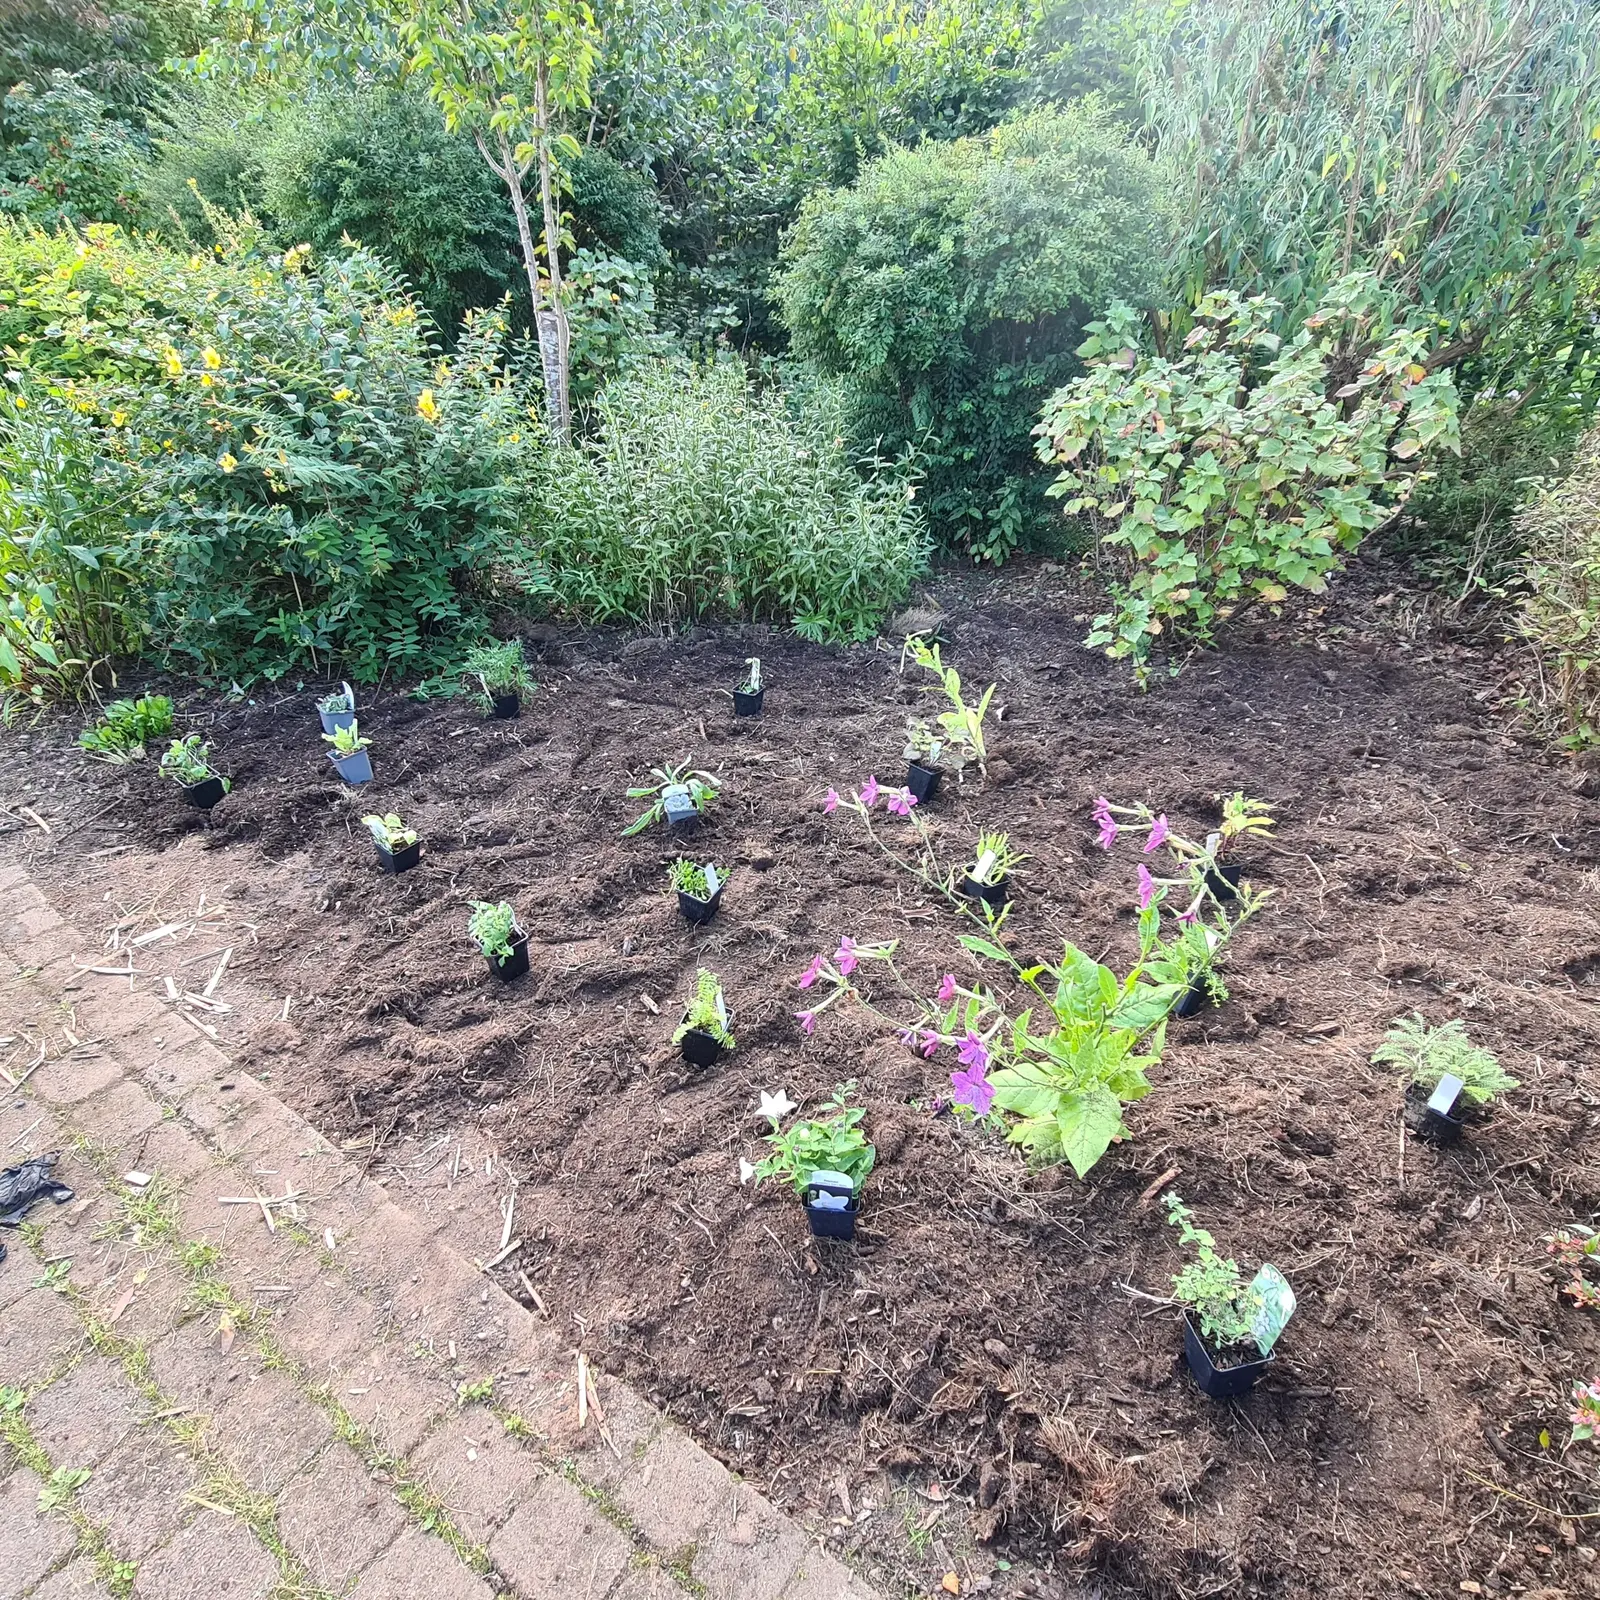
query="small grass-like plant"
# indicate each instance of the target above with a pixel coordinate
(493, 926)
(702, 787)
(500, 669)
(707, 1011)
(125, 727)
(995, 859)
(830, 1140)
(1425, 1055)
(391, 832)
(701, 882)
(188, 762)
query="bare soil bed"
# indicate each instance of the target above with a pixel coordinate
(971, 1382)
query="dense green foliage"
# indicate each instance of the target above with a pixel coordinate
(704, 497)
(951, 285)
(64, 159)
(1248, 464)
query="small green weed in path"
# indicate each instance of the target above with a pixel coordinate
(61, 1485)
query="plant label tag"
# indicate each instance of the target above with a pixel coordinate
(1443, 1099)
(1274, 1301)
(712, 881)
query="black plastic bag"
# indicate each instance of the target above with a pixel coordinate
(22, 1187)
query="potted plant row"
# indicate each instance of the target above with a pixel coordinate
(349, 753)
(500, 936)
(826, 1157)
(699, 889)
(1448, 1080)
(188, 762)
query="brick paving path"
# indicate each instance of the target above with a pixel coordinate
(195, 1405)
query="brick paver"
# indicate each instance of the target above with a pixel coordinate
(261, 1412)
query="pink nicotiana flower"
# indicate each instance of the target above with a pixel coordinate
(1147, 888)
(900, 801)
(947, 989)
(869, 792)
(973, 1051)
(807, 1021)
(1107, 823)
(845, 957)
(908, 1037)
(1190, 914)
(930, 1046)
(830, 803)
(813, 972)
(1159, 834)
(973, 1089)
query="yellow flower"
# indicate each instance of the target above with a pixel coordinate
(342, 393)
(427, 406)
(227, 461)
(21, 402)
(118, 418)
(174, 364)
(211, 358)
(206, 380)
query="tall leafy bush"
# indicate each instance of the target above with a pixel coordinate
(950, 287)
(701, 496)
(307, 484)
(1246, 465)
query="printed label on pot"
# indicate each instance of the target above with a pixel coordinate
(1275, 1304)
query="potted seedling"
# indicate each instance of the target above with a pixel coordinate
(922, 753)
(703, 1034)
(826, 1157)
(680, 796)
(503, 677)
(748, 697)
(699, 889)
(399, 849)
(500, 937)
(1447, 1078)
(989, 877)
(338, 710)
(958, 739)
(349, 754)
(1230, 1326)
(188, 762)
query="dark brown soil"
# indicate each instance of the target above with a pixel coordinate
(980, 1339)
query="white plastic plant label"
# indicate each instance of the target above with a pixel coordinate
(1274, 1302)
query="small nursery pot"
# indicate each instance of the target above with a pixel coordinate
(697, 911)
(204, 794)
(1221, 1383)
(1436, 1117)
(514, 965)
(1223, 882)
(1192, 1001)
(992, 894)
(681, 812)
(333, 721)
(505, 706)
(353, 768)
(747, 703)
(700, 1049)
(398, 861)
(831, 1205)
(922, 781)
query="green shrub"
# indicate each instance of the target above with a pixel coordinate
(701, 496)
(951, 285)
(281, 473)
(208, 155)
(1242, 466)
(64, 158)
(1560, 611)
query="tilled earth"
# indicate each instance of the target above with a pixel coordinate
(988, 1374)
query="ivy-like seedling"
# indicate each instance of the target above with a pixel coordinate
(1231, 1312)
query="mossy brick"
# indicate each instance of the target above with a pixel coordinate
(673, 1490)
(393, 1395)
(267, 1431)
(83, 1416)
(140, 1492)
(179, 1064)
(823, 1578)
(119, 1114)
(75, 1077)
(749, 1551)
(169, 1151)
(41, 1333)
(75, 1581)
(557, 1543)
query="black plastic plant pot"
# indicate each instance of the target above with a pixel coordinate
(1192, 1001)
(1436, 1117)
(354, 768)
(682, 815)
(700, 1049)
(1223, 882)
(514, 965)
(922, 781)
(505, 706)
(831, 1205)
(398, 861)
(697, 911)
(992, 894)
(204, 794)
(747, 703)
(1221, 1383)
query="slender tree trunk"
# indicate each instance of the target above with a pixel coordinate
(554, 336)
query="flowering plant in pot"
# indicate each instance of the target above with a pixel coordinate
(500, 937)
(1230, 1326)
(349, 754)
(1447, 1078)
(750, 696)
(502, 676)
(704, 1034)
(188, 762)
(337, 710)
(989, 877)
(826, 1157)
(958, 740)
(699, 889)
(680, 796)
(398, 847)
